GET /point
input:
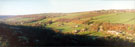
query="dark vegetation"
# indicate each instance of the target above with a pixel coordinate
(38, 36)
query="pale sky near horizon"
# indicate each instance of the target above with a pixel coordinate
(22, 7)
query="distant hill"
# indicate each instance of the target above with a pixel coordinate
(1, 17)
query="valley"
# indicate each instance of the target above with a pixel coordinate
(91, 28)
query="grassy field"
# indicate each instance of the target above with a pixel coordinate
(124, 18)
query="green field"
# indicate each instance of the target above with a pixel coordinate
(124, 18)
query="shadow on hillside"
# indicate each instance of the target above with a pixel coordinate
(38, 36)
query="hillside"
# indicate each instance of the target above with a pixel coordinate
(99, 27)
(122, 15)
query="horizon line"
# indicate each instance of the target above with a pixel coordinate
(61, 12)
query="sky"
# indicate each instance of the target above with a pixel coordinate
(23, 7)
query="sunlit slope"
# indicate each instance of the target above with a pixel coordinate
(124, 18)
(31, 18)
(111, 16)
